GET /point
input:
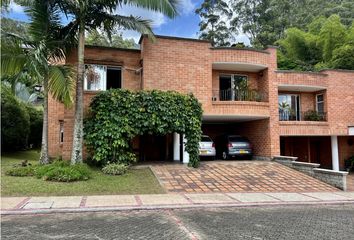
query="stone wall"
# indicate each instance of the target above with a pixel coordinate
(337, 179)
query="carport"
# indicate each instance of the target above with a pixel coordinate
(255, 128)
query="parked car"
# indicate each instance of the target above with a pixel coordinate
(234, 146)
(206, 147)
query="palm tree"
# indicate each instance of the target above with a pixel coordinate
(39, 55)
(88, 15)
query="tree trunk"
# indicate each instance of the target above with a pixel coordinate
(44, 158)
(76, 154)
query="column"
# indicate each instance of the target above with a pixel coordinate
(176, 146)
(185, 153)
(335, 155)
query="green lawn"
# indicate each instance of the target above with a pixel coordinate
(136, 181)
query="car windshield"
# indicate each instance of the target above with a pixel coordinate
(206, 139)
(237, 139)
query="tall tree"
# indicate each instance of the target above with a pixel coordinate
(116, 40)
(38, 54)
(93, 14)
(214, 15)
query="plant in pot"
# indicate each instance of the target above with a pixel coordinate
(349, 164)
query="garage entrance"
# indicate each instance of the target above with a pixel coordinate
(256, 131)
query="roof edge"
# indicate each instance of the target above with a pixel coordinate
(113, 48)
(337, 70)
(238, 48)
(300, 72)
(175, 38)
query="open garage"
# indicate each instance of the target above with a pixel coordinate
(256, 131)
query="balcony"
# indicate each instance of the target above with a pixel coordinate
(285, 115)
(239, 95)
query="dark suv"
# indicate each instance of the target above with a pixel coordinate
(234, 146)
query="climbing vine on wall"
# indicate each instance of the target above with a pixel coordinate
(117, 116)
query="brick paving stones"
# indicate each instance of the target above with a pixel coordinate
(233, 176)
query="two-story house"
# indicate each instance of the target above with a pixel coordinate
(304, 114)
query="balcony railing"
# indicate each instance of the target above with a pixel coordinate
(286, 115)
(238, 95)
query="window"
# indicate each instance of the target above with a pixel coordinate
(232, 87)
(61, 131)
(320, 103)
(289, 107)
(100, 78)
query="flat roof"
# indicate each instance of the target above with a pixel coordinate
(176, 38)
(113, 48)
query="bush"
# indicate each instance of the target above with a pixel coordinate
(313, 116)
(117, 116)
(21, 171)
(349, 164)
(15, 122)
(62, 171)
(36, 126)
(115, 169)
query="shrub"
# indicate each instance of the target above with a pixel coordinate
(349, 164)
(117, 116)
(20, 171)
(115, 169)
(15, 122)
(313, 116)
(62, 171)
(36, 125)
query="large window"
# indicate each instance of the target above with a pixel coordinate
(289, 107)
(232, 87)
(100, 77)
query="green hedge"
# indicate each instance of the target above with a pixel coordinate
(21, 123)
(117, 116)
(15, 122)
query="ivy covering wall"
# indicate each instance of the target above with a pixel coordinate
(117, 116)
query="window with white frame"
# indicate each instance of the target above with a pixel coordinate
(320, 103)
(101, 77)
(61, 131)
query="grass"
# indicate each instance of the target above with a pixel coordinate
(135, 181)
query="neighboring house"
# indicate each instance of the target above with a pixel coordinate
(303, 114)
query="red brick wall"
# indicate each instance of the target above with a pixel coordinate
(128, 60)
(186, 66)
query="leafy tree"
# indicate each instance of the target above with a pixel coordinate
(116, 40)
(327, 43)
(14, 26)
(331, 36)
(38, 54)
(15, 122)
(93, 14)
(265, 21)
(213, 27)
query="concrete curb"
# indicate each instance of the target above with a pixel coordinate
(169, 207)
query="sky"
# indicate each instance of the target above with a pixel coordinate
(185, 25)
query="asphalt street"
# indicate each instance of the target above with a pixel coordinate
(285, 222)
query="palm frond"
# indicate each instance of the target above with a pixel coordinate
(167, 7)
(61, 83)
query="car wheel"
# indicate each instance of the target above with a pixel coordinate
(224, 156)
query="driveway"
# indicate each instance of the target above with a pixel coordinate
(236, 176)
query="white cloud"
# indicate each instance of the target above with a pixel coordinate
(186, 7)
(14, 7)
(157, 18)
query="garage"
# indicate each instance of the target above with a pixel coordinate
(256, 131)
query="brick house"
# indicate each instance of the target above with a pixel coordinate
(304, 114)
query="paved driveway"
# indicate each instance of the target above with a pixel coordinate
(233, 176)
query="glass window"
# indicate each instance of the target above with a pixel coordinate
(100, 78)
(205, 139)
(320, 103)
(289, 107)
(61, 131)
